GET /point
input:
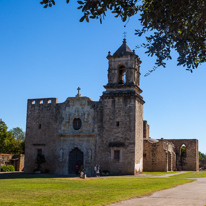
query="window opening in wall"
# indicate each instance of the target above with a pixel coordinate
(77, 123)
(49, 101)
(41, 102)
(33, 102)
(117, 123)
(122, 75)
(39, 126)
(39, 152)
(124, 78)
(144, 155)
(117, 154)
(183, 150)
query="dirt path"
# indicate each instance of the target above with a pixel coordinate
(168, 175)
(190, 194)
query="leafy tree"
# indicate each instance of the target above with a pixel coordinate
(178, 25)
(202, 156)
(183, 151)
(8, 143)
(18, 133)
(6, 137)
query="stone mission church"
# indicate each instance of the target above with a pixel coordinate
(108, 132)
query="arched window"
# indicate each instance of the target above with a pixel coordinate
(183, 150)
(77, 123)
(122, 75)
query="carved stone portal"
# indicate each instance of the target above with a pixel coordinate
(78, 109)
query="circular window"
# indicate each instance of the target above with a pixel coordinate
(77, 123)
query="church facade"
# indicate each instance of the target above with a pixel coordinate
(81, 131)
(108, 132)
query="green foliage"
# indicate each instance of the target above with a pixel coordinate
(147, 174)
(32, 190)
(183, 151)
(40, 159)
(18, 133)
(178, 25)
(10, 168)
(8, 143)
(191, 174)
(202, 156)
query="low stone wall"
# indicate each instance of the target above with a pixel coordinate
(17, 160)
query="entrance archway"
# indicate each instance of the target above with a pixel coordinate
(76, 156)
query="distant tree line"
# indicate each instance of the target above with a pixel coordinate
(11, 141)
(202, 156)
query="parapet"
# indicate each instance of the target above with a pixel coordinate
(44, 101)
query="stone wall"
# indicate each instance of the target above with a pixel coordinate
(158, 156)
(118, 135)
(50, 129)
(17, 160)
(191, 161)
(145, 129)
(43, 118)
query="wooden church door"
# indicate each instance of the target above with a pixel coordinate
(76, 156)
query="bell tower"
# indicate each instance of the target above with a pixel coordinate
(122, 132)
(123, 72)
(124, 67)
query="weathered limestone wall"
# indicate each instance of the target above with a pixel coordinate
(191, 161)
(145, 129)
(42, 132)
(17, 160)
(50, 128)
(158, 155)
(119, 133)
(138, 137)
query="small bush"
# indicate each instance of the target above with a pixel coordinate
(10, 168)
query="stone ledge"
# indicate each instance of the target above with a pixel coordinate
(39, 144)
(76, 134)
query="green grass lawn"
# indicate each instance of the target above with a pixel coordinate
(50, 190)
(157, 173)
(191, 174)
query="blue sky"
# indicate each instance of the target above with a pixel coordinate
(49, 53)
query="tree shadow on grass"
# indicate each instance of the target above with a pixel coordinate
(22, 175)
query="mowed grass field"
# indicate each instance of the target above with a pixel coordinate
(30, 189)
(191, 174)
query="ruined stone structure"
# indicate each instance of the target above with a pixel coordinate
(17, 160)
(80, 131)
(158, 156)
(165, 154)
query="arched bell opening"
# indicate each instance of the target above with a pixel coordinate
(122, 75)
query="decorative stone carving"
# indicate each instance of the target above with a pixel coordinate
(61, 155)
(78, 110)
